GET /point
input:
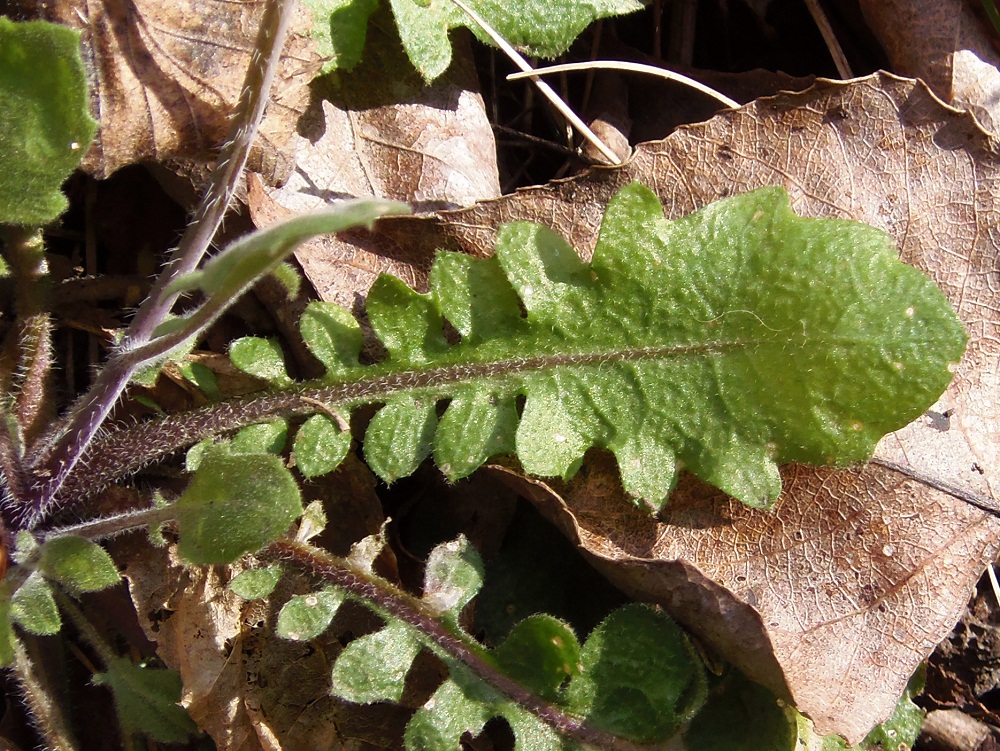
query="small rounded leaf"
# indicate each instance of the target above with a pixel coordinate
(263, 438)
(260, 357)
(540, 652)
(373, 667)
(33, 607)
(305, 617)
(332, 335)
(148, 701)
(320, 446)
(79, 565)
(235, 504)
(399, 437)
(256, 583)
(640, 677)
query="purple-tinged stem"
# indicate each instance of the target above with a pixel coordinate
(383, 596)
(55, 461)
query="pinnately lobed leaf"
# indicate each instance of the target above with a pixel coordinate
(724, 343)
(636, 675)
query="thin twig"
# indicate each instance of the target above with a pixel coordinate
(836, 51)
(543, 87)
(53, 464)
(973, 499)
(634, 68)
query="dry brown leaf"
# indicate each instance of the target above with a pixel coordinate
(836, 597)
(381, 131)
(885, 151)
(166, 74)
(831, 600)
(243, 685)
(946, 45)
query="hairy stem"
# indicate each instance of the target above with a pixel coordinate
(385, 598)
(54, 465)
(122, 452)
(45, 710)
(26, 256)
(112, 526)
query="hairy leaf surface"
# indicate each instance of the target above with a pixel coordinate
(538, 27)
(78, 564)
(33, 607)
(635, 677)
(45, 122)
(147, 700)
(235, 504)
(724, 342)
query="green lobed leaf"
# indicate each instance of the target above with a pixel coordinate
(261, 358)
(147, 701)
(33, 607)
(45, 122)
(407, 323)
(262, 438)
(373, 667)
(639, 677)
(256, 583)
(235, 504)
(320, 446)
(463, 704)
(78, 564)
(539, 28)
(476, 426)
(340, 29)
(741, 716)
(400, 437)
(541, 653)
(202, 377)
(332, 335)
(305, 617)
(636, 676)
(457, 707)
(702, 343)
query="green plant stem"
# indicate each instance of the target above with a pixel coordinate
(13, 480)
(84, 627)
(55, 464)
(25, 252)
(44, 709)
(122, 452)
(111, 526)
(388, 600)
